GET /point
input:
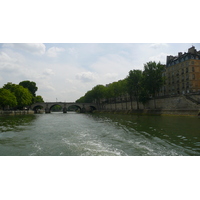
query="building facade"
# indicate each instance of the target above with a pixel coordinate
(182, 73)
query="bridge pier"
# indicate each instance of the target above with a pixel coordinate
(83, 110)
(64, 110)
(47, 110)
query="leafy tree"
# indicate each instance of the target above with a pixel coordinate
(30, 85)
(153, 79)
(115, 91)
(89, 97)
(23, 96)
(109, 93)
(98, 92)
(38, 99)
(144, 95)
(9, 86)
(81, 100)
(134, 85)
(7, 98)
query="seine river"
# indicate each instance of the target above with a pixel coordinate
(73, 134)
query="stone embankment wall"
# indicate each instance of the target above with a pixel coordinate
(168, 105)
(16, 112)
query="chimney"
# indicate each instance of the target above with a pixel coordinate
(180, 54)
(169, 58)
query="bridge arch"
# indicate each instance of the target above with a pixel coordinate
(38, 108)
(92, 108)
(58, 104)
(74, 107)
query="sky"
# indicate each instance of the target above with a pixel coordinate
(66, 71)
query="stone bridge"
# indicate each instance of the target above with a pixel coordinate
(47, 106)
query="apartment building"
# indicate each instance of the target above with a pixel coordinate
(182, 73)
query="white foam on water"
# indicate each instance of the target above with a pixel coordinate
(38, 147)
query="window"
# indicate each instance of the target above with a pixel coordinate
(193, 69)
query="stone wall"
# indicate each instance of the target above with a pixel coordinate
(16, 112)
(170, 105)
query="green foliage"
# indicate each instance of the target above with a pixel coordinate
(98, 92)
(134, 80)
(23, 96)
(30, 85)
(38, 99)
(143, 96)
(7, 98)
(89, 97)
(81, 100)
(153, 79)
(94, 95)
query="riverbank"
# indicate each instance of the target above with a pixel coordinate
(16, 112)
(184, 105)
(152, 112)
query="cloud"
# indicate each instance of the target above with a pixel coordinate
(86, 76)
(111, 68)
(72, 51)
(4, 57)
(48, 72)
(9, 64)
(158, 45)
(34, 48)
(161, 57)
(54, 51)
(111, 75)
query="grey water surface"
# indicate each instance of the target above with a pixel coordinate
(74, 134)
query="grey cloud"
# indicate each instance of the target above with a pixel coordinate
(35, 48)
(86, 76)
(54, 51)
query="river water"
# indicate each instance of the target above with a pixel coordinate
(74, 134)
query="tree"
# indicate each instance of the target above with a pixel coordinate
(98, 93)
(38, 99)
(23, 96)
(30, 85)
(144, 95)
(89, 96)
(81, 100)
(134, 85)
(153, 79)
(122, 90)
(7, 98)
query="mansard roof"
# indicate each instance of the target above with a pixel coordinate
(172, 60)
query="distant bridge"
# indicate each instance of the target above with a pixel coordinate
(47, 106)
